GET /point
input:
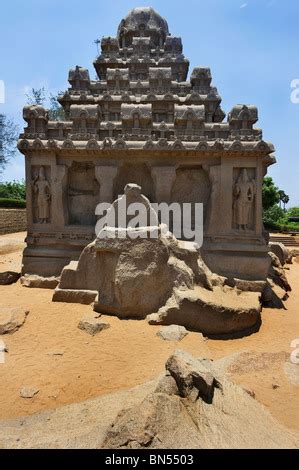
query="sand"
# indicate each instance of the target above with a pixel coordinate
(129, 353)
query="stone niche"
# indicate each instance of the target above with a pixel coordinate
(82, 194)
(134, 173)
(191, 185)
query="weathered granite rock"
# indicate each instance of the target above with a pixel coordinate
(217, 312)
(277, 273)
(84, 297)
(126, 271)
(28, 392)
(11, 319)
(167, 384)
(164, 420)
(193, 379)
(93, 325)
(39, 282)
(172, 333)
(9, 277)
(281, 251)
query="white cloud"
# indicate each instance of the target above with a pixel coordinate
(244, 5)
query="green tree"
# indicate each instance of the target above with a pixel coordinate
(8, 140)
(270, 193)
(293, 212)
(13, 190)
(285, 199)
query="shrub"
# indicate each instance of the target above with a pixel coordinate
(13, 190)
(12, 203)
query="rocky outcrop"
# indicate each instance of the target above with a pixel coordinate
(177, 414)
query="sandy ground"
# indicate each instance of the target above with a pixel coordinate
(129, 353)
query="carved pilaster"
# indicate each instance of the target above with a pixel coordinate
(58, 196)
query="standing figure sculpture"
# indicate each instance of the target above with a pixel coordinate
(244, 192)
(41, 187)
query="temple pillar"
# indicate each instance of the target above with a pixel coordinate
(164, 177)
(105, 175)
(29, 193)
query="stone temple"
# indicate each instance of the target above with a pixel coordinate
(144, 121)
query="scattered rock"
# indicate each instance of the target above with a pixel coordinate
(11, 319)
(193, 379)
(172, 333)
(92, 325)
(275, 386)
(9, 277)
(39, 282)
(28, 392)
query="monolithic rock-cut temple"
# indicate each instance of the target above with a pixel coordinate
(144, 121)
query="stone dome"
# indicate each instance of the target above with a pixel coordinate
(143, 21)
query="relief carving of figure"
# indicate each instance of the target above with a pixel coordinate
(244, 193)
(42, 188)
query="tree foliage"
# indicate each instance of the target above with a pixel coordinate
(39, 96)
(13, 190)
(8, 140)
(270, 193)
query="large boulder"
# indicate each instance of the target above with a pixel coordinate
(222, 311)
(192, 378)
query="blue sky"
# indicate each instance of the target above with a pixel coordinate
(251, 47)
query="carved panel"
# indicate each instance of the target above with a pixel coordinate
(83, 194)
